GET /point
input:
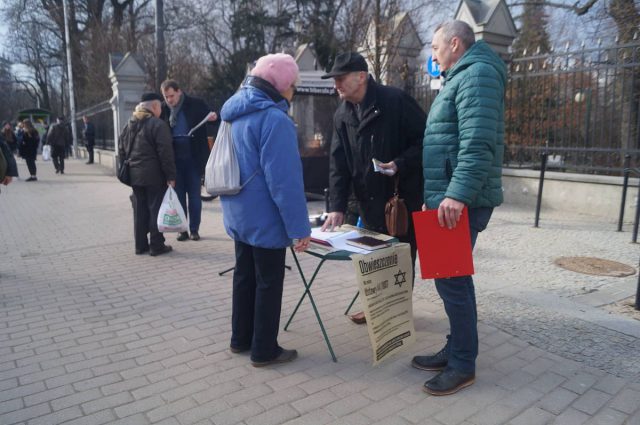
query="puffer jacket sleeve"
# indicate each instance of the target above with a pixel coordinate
(161, 134)
(339, 175)
(282, 168)
(478, 108)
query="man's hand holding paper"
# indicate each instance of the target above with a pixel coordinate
(386, 168)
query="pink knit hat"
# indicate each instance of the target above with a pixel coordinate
(279, 69)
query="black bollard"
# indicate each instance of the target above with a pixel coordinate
(637, 218)
(543, 167)
(625, 184)
(638, 291)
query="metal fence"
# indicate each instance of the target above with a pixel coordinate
(101, 115)
(581, 107)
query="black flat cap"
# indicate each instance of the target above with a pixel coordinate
(346, 63)
(149, 96)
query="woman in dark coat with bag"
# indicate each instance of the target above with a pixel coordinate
(29, 148)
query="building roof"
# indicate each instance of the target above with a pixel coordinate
(481, 10)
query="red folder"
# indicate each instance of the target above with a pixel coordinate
(443, 252)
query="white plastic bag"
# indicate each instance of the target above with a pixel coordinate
(171, 217)
(222, 174)
(46, 153)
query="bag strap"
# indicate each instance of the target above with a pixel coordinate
(233, 146)
(396, 184)
(249, 179)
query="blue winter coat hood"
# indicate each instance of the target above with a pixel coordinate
(271, 209)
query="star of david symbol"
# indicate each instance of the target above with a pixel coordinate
(400, 278)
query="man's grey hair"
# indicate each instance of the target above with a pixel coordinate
(459, 29)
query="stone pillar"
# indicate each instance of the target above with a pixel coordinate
(128, 82)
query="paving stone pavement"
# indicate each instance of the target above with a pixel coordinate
(92, 334)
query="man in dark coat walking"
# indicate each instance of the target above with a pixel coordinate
(89, 133)
(183, 113)
(57, 137)
(152, 169)
(373, 122)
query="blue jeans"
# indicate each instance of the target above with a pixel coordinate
(188, 183)
(258, 280)
(459, 298)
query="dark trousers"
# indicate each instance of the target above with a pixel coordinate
(257, 300)
(188, 186)
(31, 165)
(90, 152)
(146, 204)
(57, 155)
(459, 298)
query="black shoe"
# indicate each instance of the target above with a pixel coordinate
(142, 251)
(57, 171)
(449, 381)
(194, 236)
(183, 236)
(89, 162)
(437, 361)
(163, 250)
(237, 350)
(61, 171)
(285, 356)
(31, 179)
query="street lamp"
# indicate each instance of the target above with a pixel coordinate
(584, 95)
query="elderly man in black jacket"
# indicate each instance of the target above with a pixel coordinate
(373, 122)
(146, 142)
(184, 113)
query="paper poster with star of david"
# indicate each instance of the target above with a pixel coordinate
(385, 282)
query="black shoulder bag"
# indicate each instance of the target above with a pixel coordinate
(124, 169)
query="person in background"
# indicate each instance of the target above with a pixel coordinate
(270, 211)
(89, 133)
(57, 138)
(183, 113)
(11, 166)
(29, 148)
(19, 133)
(373, 121)
(10, 137)
(152, 169)
(462, 160)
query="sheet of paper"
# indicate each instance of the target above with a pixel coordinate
(378, 169)
(384, 279)
(338, 238)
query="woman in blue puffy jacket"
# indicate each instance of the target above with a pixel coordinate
(270, 212)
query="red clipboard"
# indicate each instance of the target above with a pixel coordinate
(443, 252)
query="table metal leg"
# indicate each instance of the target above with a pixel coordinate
(307, 291)
(352, 301)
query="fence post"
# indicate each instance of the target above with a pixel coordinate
(638, 291)
(543, 166)
(625, 184)
(635, 221)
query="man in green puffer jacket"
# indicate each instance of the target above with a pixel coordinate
(462, 166)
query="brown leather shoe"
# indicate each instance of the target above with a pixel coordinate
(358, 318)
